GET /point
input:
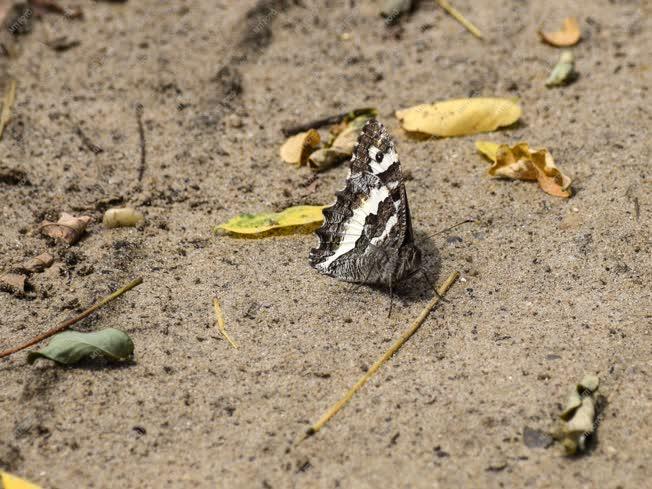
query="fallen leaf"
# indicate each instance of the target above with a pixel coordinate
(460, 117)
(326, 158)
(68, 228)
(14, 283)
(12, 482)
(122, 217)
(577, 420)
(564, 71)
(569, 34)
(72, 346)
(522, 163)
(300, 218)
(7, 104)
(298, 147)
(38, 263)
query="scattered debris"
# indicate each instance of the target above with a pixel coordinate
(522, 163)
(578, 417)
(536, 439)
(569, 34)
(122, 217)
(298, 147)
(564, 71)
(87, 142)
(303, 218)
(68, 228)
(52, 6)
(9, 481)
(37, 264)
(326, 158)
(143, 148)
(14, 283)
(219, 317)
(13, 176)
(333, 410)
(62, 43)
(326, 121)
(66, 324)
(453, 12)
(460, 117)
(70, 347)
(7, 104)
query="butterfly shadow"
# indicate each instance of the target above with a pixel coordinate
(421, 283)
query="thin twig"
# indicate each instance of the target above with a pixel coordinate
(333, 410)
(220, 322)
(66, 324)
(143, 150)
(453, 12)
(87, 141)
(324, 121)
(7, 103)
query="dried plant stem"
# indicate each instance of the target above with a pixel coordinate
(324, 121)
(453, 12)
(220, 322)
(333, 410)
(66, 324)
(7, 104)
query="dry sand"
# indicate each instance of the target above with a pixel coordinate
(551, 288)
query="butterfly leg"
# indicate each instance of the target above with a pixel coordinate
(425, 276)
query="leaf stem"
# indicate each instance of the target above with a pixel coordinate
(335, 408)
(66, 324)
(220, 322)
(453, 12)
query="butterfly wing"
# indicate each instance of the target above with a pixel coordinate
(370, 220)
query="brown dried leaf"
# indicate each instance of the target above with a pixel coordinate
(569, 35)
(37, 264)
(68, 228)
(14, 283)
(298, 147)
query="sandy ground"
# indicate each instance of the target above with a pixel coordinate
(551, 288)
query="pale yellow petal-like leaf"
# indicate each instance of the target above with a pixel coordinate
(460, 117)
(569, 34)
(12, 482)
(298, 147)
(303, 218)
(487, 148)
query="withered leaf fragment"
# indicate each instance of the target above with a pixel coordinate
(122, 217)
(38, 263)
(13, 283)
(297, 148)
(522, 163)
(68, 228)
(569, 35)
(564, 71)
(578, 417)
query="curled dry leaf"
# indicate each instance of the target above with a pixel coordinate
(522, 163)
(564, 71)
(569, 34)
(326, 158)
(293, 219)
(578, 416)
(460, 117)
(38, 263)
(72, 346)
(68, 228)
(298, 147)
(122, 217)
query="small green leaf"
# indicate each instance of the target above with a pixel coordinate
(71, 346)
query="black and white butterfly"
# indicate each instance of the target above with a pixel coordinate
(367, 234)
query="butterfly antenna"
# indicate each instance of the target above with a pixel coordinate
(452, 227)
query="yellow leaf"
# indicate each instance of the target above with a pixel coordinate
(12, 482)
(298, 147)
(293, 219)
(522, 163)
(569, 35)
(460, 117)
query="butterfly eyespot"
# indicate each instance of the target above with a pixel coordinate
(379, 156)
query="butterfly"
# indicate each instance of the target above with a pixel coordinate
(367, 234)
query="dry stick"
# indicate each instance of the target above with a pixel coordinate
(316, 124)
(220, 322)
(7, 103)
(141, 133)
(66, 324)
(333, 410)
(453, 12)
